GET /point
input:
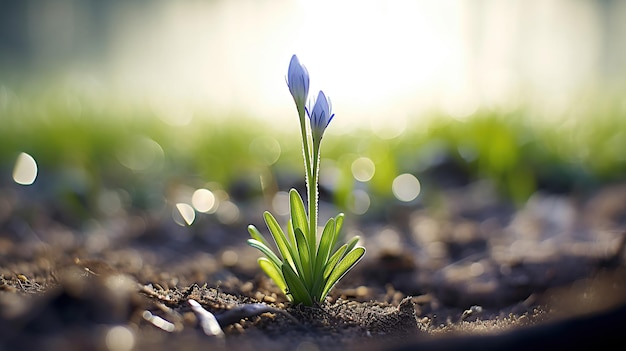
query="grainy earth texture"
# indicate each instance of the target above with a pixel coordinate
(463, 270)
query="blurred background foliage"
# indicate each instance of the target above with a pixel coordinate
(145, 106)
(85, 148)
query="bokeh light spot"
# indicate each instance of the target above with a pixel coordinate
(110, 202)
(228, 212)
(25, 170)
(359, 202)
(406, 187)
(120, 338)
(204, 201)
(389, 240)
(265, 149)
(229, 258)
(185, 212)
(386, 128)
(141, 154)
(477, 269)
(363, 169)
(280, 203)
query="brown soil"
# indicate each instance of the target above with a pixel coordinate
(548, 275)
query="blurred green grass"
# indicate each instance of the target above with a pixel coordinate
(84, 145)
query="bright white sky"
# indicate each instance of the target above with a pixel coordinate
(379, 61)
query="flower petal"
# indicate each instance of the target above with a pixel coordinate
(320, 115)
(298, 81)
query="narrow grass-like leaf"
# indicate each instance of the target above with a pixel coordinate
(330, 265)
(323, 252)
(305, 259)
(298, 213)
(338, 225)
(256, 234)
(273, 272)
(326, 244)
(280, 239)
(351, 244)
(342, 268)
(266, 250)
(290, 232)
(339, 222)
(295, 285)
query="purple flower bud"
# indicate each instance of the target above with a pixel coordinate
(320, 115)
(298, 82)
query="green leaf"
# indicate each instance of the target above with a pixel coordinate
(296, 287)
(326, 244)
(323, 252)
(279, 238)
(351, 244)
(339, 222)
(273, 272)
(298, 213)
(266, 250)
(342, 268)
(255, 234)
(330, 265)
(290, 232)
(305, 259)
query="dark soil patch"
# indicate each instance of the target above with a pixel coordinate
(536, 278)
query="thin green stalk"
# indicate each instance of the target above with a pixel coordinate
(305, 145)
(313, 193)
(311, 183)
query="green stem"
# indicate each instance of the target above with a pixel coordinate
(313, 193)
(305, 145)
(308, 170)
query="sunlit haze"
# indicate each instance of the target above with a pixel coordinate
(379, 61)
